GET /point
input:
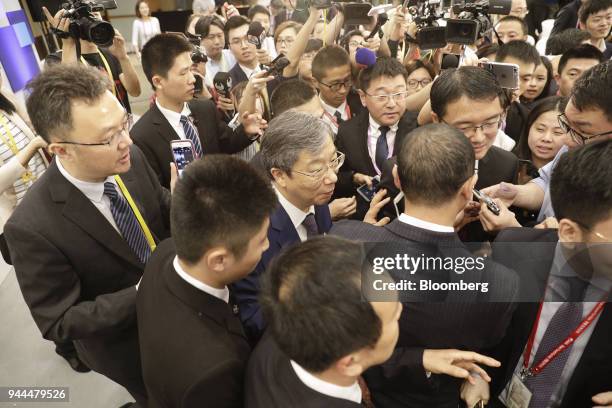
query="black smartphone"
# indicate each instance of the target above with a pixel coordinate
(367, 193)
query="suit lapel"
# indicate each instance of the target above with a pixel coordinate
(362, 141)
(164, 130)
(83, 213)
(281, 223)
(199, 124)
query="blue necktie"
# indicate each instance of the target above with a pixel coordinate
(192, 134)
(382, 149)
(127, 223)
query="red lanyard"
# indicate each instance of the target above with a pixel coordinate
(347, 109)
(537, 368)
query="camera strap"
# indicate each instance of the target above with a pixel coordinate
(136, 211)
(107, 68)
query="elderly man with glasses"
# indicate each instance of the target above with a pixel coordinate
(587, 118)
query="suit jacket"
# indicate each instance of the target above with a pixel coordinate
(593, 374)
(193, 348)
(566, 18)
(281, 234)
(78, 275)
(153, 134)
(271, 381)
(237, 75)
(456, 320)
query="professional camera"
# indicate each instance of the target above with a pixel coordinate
(197, 54)
(84, 25)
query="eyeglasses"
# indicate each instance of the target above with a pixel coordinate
(287, 41)
(577, 137)
(384, 98)
(337, 86)
(487, 127)
(413, 83)
(212, 37)
(597, 234)
(354, 44)
(125, 127)
(240, 41)
(318, 175)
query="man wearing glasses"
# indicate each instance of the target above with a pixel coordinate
(376, 134)
(587, 118)
(82, 235)
(245, 53)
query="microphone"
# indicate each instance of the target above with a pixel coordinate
(365, 57)
(223, 85)
(277, 66)
(256, 34)
(449, 61)
(382, 19)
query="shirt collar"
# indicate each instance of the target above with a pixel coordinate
(350, 393)
(222, 294)
(562, 268)
(374, 126)
(172, 117)
(415, 222)
(330, 109)
(93, 191)
(248, 71)
(295, 214)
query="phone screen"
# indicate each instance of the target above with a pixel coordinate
(368, 193)
(183, 155)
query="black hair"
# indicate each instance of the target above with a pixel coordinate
(418, 64)
(290, 94)
(433, 163)
(473, 82)
(257, 9)
(53, 92)
(549, 77)
(329, 57)
(580, 185)
(344, 42)
(313, 44)
(233, 23)
(519, 50)
(583, 51)
(516, 20)
(559, 43)
(239, 197)
(590, 7)
(160, 52)
(6, 105)
(552, 103)
(385, 67)
(592, 89)
(202, 27)
(487, 50)
(311, 299)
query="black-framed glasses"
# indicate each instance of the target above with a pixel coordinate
(337, 86)
(125, 127)
(318, 175)
(576, 135)
(414, 83)
(487, 127)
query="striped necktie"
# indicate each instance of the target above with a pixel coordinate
(127, 223)
(191, 133)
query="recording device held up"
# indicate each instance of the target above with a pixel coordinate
(198, 56)
(84, 25)
(277, 66)
(223, 85)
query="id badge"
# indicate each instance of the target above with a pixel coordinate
(518, 395)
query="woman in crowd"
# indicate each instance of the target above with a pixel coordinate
(285, 35)
(420, 74)
(145, 26)
(540, 90)
(21, 161)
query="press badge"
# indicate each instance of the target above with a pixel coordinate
(518, 395)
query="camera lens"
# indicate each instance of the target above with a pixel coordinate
(101, 33)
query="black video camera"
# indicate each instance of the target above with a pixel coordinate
(198, 55)
(84, 25)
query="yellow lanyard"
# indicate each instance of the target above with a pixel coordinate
(10, 142)
(136, 211)
(107, 67)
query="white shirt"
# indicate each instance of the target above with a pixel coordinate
(350, 393)
(373, 134)
(248, 71)
(430, 226)
(329, 116)
(144, 30)
(503, 141)
(296, 215)
(225, 63)
(222, 294)
(175, 118)
(94, 193)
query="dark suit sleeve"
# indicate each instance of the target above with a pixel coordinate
(220, 386)
(344, 185)
(406, 366)
(161, 193)
(562, 21)
(149, 154)
(51, 288)
(230, 140)
(247, 292)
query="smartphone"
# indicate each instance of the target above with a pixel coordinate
(487, 200)
(397, 202)
(183, 153)
(507, 74)
(367, 193)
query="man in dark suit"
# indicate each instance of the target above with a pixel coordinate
(570, 267)
(308, 358)
(77, 245)
(194, 350)
(376, 134)
(567, 17)
(166, 60)
(436, 173)
(245, 52)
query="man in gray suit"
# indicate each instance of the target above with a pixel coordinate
(435, 171)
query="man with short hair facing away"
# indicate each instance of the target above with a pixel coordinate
(166, 61)
(82, 235)
(322, 334)
(194, 350)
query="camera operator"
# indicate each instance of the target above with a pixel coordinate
(113, 61)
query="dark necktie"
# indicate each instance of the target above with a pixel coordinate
(382, 149)
(127, 223)
(312, 229)
(191, 133)
(338, 116)
(366, 397)
(562, 323)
